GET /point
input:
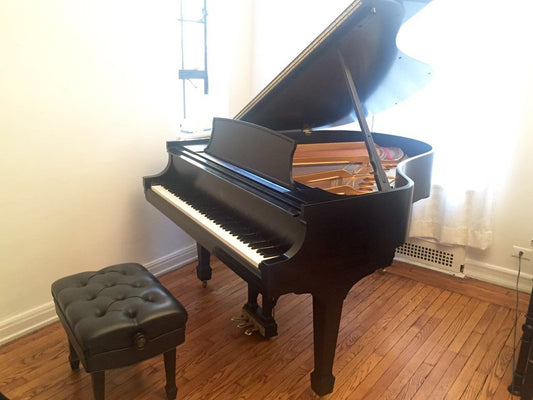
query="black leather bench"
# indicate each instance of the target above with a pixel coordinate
(116, 317)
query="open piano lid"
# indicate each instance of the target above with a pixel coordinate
(311, 92)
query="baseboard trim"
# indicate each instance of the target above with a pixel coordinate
(29, 321)
(498, 275)
(172, 261)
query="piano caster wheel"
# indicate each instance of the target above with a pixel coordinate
(204, 284)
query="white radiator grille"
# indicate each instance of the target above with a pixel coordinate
(432, 255)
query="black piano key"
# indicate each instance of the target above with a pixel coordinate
(256, 237)
(246, 231)
(271, 251)
(263, 244)
(232, 227)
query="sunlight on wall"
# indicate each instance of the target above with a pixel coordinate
(471, 111)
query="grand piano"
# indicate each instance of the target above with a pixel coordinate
(277, 192)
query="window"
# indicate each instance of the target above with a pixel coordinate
(469, 112)
(193, 67)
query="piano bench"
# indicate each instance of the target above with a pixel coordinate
(116, 317)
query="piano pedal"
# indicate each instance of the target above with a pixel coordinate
(243, 322)
(242, 318)
(251, 330)
(244, 325)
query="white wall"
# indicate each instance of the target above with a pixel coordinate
(89, 95)
(513, 210)
(282, 29)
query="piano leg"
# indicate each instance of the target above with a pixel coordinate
(203, 269)
(252, 298)
(327, 310)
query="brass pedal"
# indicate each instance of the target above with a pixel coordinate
(246, 324)
(242, 318)
(251, 330)
(243, 322)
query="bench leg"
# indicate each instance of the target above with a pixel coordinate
(170, 372)
(73, 357)
(98, 385)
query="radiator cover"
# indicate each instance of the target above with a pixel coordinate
(427, 254)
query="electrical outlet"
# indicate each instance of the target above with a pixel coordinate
(526, 252)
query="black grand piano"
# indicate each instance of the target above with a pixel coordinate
(244, 199)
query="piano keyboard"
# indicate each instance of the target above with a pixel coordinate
(250, 244)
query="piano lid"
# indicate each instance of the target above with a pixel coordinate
(311, 91)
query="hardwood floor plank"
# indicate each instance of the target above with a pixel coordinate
(502, 391)
(414, 373)
(396, 360)
(355, 366)
(488, 361)
(497, 372)
(499, 317)
(387, 345)
(391, 360)
(460, 357)
(444, 353)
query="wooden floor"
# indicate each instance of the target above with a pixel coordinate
(406, 333)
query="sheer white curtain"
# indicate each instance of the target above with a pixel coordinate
(468, 112)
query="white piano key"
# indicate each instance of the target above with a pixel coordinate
(236, 244)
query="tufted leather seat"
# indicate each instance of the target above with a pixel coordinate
(116, 317)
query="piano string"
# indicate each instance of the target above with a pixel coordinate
(343, 168)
